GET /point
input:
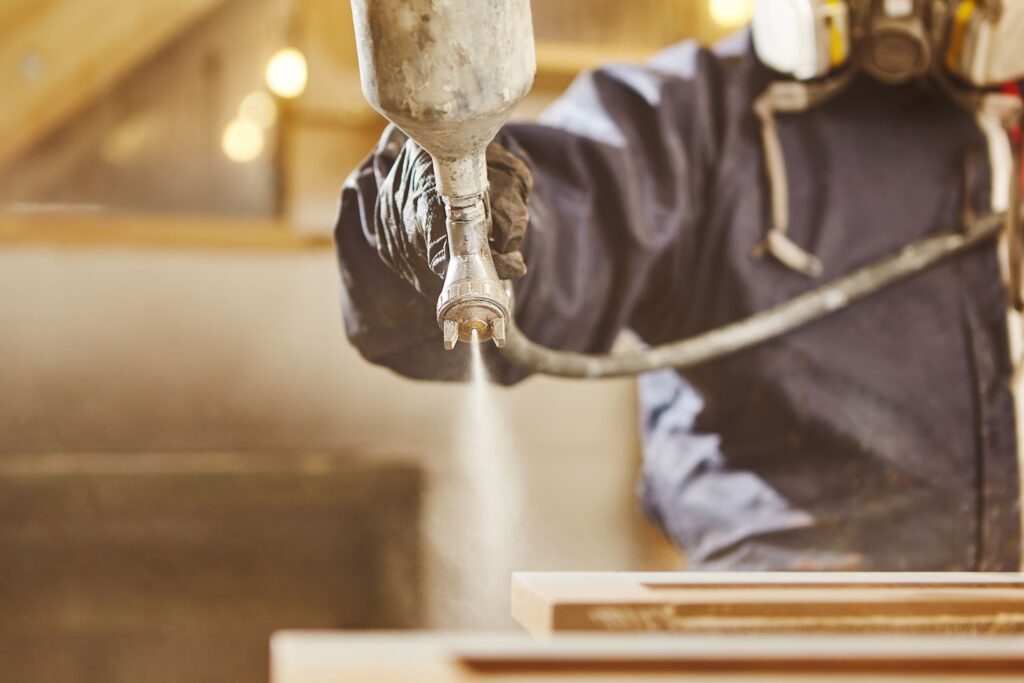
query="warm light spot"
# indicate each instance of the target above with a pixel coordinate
(260, 108)
(242, 140)
(730, 13)
(287, 73)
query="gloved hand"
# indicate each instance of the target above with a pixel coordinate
(409, 219)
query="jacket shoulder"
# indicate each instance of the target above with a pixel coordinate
(688, 58)
(677, 79)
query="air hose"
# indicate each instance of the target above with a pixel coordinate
(759, 327)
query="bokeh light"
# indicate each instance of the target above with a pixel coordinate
(730, 13)
(287, 73)
(260, 108)
(242, 140)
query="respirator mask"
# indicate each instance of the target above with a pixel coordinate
(966, 47)
(977, 42)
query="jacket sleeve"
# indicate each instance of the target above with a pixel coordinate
(622, 166)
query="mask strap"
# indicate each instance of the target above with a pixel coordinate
(1014, 227)
(1015, 240)
(787, 97)
(997, 114)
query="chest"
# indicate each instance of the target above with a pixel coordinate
(866, 175)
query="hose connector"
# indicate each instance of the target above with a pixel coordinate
(473, 298)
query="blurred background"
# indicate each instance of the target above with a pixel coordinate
(191, 455)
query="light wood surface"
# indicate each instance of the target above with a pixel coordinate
(102, 228)
(435, 658)
(57, 55)
(544, 603)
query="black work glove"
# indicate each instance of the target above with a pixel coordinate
(409, 219)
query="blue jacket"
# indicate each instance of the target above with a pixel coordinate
(881, 438)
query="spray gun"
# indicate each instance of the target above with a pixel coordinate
(449, 73)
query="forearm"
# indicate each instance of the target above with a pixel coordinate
(605, 214)
(576, 295)
(613, 200)
(388, 321)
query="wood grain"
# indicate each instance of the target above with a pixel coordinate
(544, 603)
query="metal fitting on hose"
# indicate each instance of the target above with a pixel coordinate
(473, 298)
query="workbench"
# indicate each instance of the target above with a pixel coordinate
(434, 658)
(703, 627)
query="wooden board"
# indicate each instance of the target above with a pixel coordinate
(435, 658)
(769, 602)
(159, 231)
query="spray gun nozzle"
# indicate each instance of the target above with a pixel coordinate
(473, 330)
(473, 299)
(475, 319)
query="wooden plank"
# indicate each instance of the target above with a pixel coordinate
(317, 159)
(568, 59)
(57, 55)
(104, 229)
(544, 603)
(612, 23)
(435, 658)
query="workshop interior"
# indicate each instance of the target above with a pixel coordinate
(525, 340)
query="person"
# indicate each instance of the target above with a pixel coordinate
(880, 438)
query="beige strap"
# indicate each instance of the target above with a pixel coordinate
(997, 114)
(776, 242)
(1015, 250)
(788, 253)
(789, 97)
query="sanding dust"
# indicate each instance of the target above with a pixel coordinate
(481, 506)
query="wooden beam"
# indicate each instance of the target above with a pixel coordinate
(711, 602)
(558, 63)
(103, 229)
(326, 657)
(58, 55)
(568, 59)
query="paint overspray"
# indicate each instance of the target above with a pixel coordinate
(476, 541)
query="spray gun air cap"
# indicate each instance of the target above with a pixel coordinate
(475, 311)
(473, 298)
